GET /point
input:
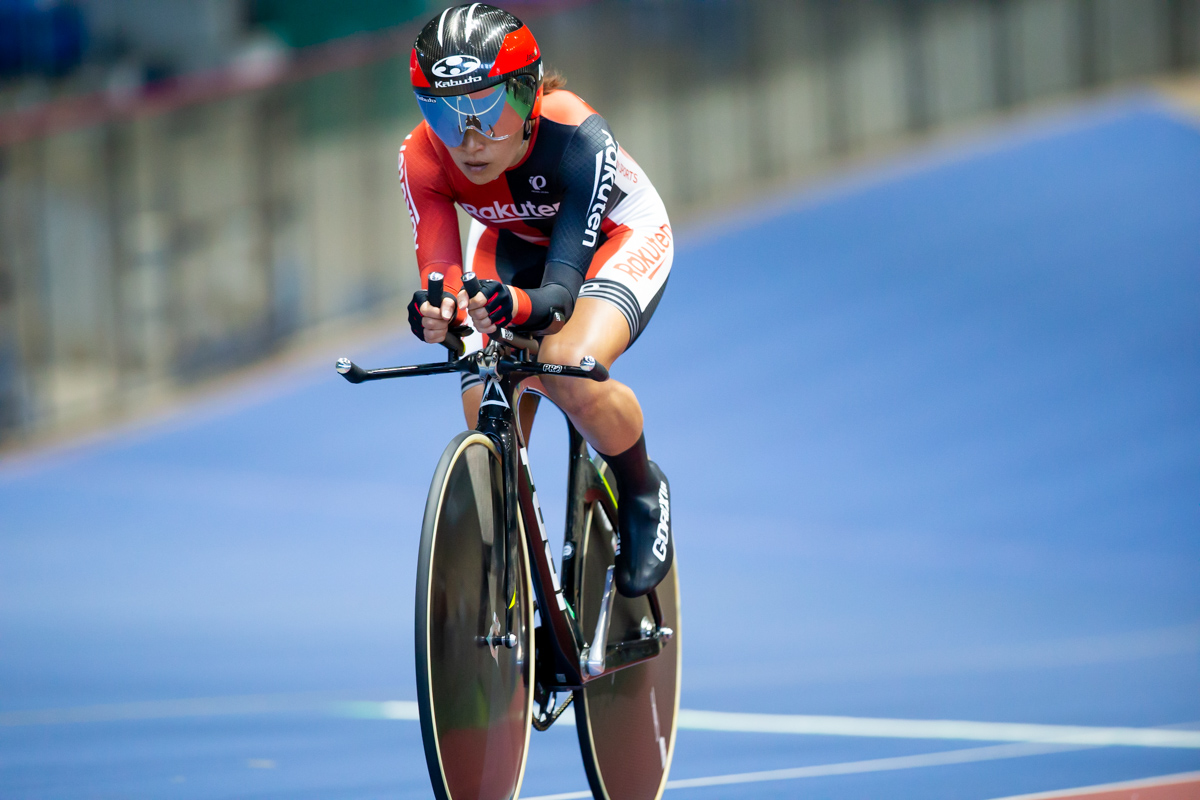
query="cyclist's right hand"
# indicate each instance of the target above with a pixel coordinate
(430, 324)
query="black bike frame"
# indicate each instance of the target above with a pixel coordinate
(564, 659)
(560, 629)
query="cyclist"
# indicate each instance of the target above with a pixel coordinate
(563, 220)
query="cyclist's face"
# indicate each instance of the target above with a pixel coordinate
(483, 160)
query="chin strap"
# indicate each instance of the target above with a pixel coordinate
(528, 128)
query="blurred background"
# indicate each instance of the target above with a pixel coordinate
(956, 479)
(187, 187)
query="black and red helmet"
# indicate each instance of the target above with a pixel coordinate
(472, 47)
(465, 51)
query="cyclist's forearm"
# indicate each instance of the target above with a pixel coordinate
(560, 286)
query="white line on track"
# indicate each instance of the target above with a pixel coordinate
(1147, 783)
(689, 719)
(176, 709)
(389, 709)
(869, 727)
(936, 729)
(1026, 739)
(943, 758)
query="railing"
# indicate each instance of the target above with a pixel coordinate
(152, 240)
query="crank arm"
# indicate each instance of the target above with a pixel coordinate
(599, 648)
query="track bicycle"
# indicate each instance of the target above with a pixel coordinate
(501, 633)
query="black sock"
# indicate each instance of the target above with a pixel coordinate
(632, 470)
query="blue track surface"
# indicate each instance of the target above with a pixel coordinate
(959, 477)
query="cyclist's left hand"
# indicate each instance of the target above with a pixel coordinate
(496, 306)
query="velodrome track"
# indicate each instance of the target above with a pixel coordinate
(953, 473)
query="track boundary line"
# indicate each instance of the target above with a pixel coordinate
(936, 759)
(328, 704)
(937, 729)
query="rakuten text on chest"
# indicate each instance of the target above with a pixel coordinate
(505, 212)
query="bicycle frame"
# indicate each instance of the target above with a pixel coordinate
(566, 657)
(564, 660)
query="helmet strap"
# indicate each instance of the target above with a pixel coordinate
(533, 115)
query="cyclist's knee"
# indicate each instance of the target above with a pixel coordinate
(573, 395)
(560, 349)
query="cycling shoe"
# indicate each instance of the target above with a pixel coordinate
(644, 535)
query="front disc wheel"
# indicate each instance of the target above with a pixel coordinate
(474, 630)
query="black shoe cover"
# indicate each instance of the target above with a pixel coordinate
(644, 533)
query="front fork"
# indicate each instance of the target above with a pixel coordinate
(496, 422)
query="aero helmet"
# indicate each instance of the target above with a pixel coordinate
(477, 66)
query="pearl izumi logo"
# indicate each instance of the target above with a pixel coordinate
(454, 66)
(663, 534)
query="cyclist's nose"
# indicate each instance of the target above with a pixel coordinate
(473, 142)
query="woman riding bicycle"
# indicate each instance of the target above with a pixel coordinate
(563, 222)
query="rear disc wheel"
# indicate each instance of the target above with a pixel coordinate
(626, 720)
(474, 630)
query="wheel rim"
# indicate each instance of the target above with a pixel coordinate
(626, 721)
(476, 699)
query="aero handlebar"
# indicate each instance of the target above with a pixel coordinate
(471, 284)
(588, 366)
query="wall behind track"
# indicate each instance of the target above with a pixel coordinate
(161, 243)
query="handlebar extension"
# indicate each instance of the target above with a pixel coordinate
(508, 336)
(350, 371)
(471, 284)
(453, 342)
(588, 367)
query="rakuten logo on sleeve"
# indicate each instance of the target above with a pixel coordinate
(606, 171)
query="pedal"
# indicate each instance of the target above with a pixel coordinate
(495, 638)
(508, 640)
(595, 655)
(649, 630)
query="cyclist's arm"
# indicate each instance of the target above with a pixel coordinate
(587, 171)
(430, 210)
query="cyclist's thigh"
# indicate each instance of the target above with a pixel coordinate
(597, 328)
(472, 396)
(630, 271)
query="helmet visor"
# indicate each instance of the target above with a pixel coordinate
(495, 113)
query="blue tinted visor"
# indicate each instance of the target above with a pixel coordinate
(495, 113)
